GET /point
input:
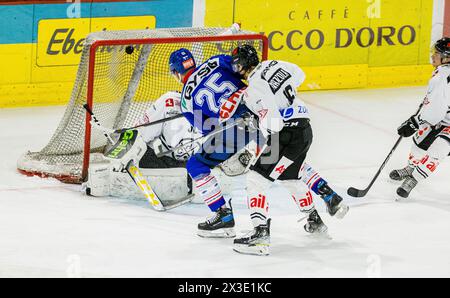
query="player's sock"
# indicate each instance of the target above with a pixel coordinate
(319, 186)
(303, 199)
(256, 242)
(209, 189)
(259, 208)
(422, 171)
(256, 199)
(413, 160)
(438, 151)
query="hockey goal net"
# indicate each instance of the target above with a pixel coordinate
(120, 74)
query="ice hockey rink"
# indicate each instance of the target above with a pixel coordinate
(50, 229)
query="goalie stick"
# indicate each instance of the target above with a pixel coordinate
(151, 123)
(136, 174)
(358, 193)
(199, 141)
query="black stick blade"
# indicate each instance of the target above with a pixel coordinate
(357, 193)
(86, 107)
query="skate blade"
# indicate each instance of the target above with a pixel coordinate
(319, 234)
(342, 211)
(256, 250)
(399, 198)
(220, 233)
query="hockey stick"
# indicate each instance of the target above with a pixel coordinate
(104, 129)
(200, 140)
(133, 171)
(358, 193)
(97, 123)
(151, 123)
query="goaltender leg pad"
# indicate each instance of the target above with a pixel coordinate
(171, 185)
(238, 164)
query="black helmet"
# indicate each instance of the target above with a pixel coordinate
(442, 46)
(246, 56)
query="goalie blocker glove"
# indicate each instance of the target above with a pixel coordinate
(409, 127)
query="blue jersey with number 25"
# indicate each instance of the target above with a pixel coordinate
(206, 89)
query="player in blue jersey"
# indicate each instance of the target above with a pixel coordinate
(211, 94)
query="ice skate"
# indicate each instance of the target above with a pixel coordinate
(407, 186)
(221, 225)
(256, 242)
(335, 206)
(314, 224)
(401, 174)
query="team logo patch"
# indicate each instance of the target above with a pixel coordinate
(230, 105)
(169, 102)
(307, 201)
(188, 63)
(277, 79)
(262, 113)
(259, 202)
(287, 113)
(280, 169)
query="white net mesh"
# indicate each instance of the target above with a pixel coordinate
(127, 79)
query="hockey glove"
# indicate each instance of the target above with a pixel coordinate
(409, 127)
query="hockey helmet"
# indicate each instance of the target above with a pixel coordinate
(246, 56)
(442, 46)
(181, 61)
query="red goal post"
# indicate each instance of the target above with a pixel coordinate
(101, 63)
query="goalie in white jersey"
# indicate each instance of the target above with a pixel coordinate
(284, 119)
(170, 134)
(166, 174)
(430, 127)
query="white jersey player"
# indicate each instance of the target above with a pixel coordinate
(170, 134)
(272, 96)
(430, 127)
(166, 174)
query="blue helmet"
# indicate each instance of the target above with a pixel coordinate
(181, 61)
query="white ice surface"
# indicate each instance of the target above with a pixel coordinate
(51, 229)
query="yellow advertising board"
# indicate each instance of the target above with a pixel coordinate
(353, 41)
(60, 41)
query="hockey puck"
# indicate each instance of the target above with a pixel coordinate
(129, 50)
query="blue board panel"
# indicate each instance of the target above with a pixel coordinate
(19, 23)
